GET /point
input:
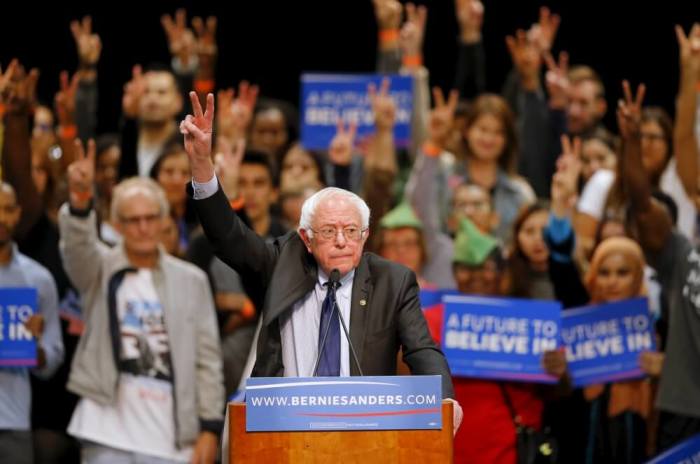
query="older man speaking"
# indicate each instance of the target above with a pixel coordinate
(378, 297)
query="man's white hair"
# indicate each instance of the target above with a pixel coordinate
(138, 186)
(308, 209)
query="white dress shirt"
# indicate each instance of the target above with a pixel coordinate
(300, 328)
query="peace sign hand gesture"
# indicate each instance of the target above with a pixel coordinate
(89, 45)
(629, 110)
(65, 98)
(441, 117)
(81, 175)
(181, 40)
(470, 17)
(227, 163)
(197, 130)
(565, 180)
(340, 150)
(689, 50)
(557, 80)
(383, 106)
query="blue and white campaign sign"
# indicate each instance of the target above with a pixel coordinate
(327, 97)
(687, 452)
(603, 342)
(343, 403)
(17, 345)
(499, 338)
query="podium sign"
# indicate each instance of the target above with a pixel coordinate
(344, 403)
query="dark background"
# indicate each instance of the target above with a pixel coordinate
(271, 42)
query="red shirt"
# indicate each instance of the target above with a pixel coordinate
(487, 433)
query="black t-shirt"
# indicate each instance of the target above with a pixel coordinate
(678, 266)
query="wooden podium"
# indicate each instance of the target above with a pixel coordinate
(340, 447)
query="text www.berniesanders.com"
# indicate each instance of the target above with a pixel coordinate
(344, 400)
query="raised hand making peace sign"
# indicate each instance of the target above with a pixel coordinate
(470, 17)
(689, 50)
(629, 110)
(557, 80)
(543, 33)
(183, 43)
(65, 98)
(197, 130)
(441, 117)
(565, 180)
(383, 106)
(340, 150)
(81, 175)
(236, 111)
(413, 30)
(88, 44)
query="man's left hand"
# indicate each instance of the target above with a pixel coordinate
(205, 448)
(35, 326)
(457, 415)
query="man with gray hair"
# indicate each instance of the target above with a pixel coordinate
(148, 366)
(378, 298)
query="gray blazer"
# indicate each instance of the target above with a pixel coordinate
(190, 318)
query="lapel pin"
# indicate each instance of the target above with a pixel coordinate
(363, 302)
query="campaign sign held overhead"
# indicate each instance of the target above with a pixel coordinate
(603, 342)
(499, 338)
(344, 403)
(327, 97)
(17, 345)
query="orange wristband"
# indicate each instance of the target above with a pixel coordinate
(431, 150)
(203, 85)
(388, 35)
(248, 309)
(68, 132)
(412, 61)
(236, 203)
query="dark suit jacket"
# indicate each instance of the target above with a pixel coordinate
(385, 310)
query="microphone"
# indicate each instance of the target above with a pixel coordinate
(334, 280)
(333, 284)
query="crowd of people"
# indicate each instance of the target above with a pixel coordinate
(143, 331)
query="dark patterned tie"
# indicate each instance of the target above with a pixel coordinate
(329, 361)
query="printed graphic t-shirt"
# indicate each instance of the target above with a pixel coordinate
(142, 419)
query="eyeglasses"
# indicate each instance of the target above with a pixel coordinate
(473, 206)
(135, 220)
(350, 232)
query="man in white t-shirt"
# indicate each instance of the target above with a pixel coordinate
(148, 367)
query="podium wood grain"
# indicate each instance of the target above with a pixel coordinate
(361, 447)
